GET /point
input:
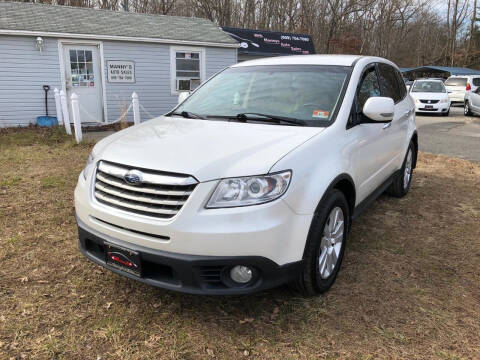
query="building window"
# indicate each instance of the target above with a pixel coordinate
(81, 67)
(187, 69)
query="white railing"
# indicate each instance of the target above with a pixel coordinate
(63, 114)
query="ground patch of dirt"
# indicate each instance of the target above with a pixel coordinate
(409, 286)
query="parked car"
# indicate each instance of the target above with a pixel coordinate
(472, 96)
(430, 96)
(456, 87)
(253, 181)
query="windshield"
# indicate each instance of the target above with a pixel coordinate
(310, 93)
(428, 86)
(456, 82)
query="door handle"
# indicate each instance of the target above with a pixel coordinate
(387, 125)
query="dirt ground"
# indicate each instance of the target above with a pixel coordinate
(409, 287)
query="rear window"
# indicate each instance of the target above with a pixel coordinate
(456, 82)
(476, 81)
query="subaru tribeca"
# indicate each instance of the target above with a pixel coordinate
(253, 181)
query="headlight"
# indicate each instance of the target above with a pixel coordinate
(87, 165)
(443, 101)
(417, 101)
(250, 190)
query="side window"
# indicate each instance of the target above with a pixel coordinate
(368, 88)
(476, 81)
(388, 82)
(401, 85)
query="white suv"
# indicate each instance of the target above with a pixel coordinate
(253, 181)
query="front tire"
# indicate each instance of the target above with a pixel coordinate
(401, 183)
(325, 245)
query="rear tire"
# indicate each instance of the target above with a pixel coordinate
(401, 183)
(325, 245)
(466, 109)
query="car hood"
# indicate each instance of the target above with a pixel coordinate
(429, 95)
(206, 149)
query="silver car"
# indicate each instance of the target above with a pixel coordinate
(472, 96)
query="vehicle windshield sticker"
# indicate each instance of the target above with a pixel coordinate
(320, 114)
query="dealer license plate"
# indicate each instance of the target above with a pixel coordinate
(123, 259)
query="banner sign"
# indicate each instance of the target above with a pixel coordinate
(270, 42)
(120, 71)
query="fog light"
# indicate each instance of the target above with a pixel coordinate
(241, 274)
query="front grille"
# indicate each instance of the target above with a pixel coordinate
(159, 194)
(429, 101)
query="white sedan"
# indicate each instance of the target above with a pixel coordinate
(430, 96)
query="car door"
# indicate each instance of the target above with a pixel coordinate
(391, 86)
(367, 139)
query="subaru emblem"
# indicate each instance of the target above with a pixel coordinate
(133, 177)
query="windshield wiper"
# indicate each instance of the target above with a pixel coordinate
(188, 115)
(274, 118)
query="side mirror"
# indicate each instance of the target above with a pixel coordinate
(182, 96)
(449, 91)
(379, 109)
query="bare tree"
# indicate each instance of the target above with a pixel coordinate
(409, 32)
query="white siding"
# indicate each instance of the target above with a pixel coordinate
(23, 72)
(152, 76)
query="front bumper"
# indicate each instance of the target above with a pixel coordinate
(189, 273)
(272, 230)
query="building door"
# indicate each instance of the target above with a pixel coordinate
(83, 77)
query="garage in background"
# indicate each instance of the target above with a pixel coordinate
(103, 56)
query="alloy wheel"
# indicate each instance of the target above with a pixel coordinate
(331, 243)
(408, 169)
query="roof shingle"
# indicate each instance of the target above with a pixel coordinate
(74, 20)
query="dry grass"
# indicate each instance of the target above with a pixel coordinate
(409, 287)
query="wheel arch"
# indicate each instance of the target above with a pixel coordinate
(345, 184)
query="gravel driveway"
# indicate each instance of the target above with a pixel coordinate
(456, 135)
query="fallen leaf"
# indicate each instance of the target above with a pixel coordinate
(246, 320)
(275, 312)
(109, 304)
(210, 352)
